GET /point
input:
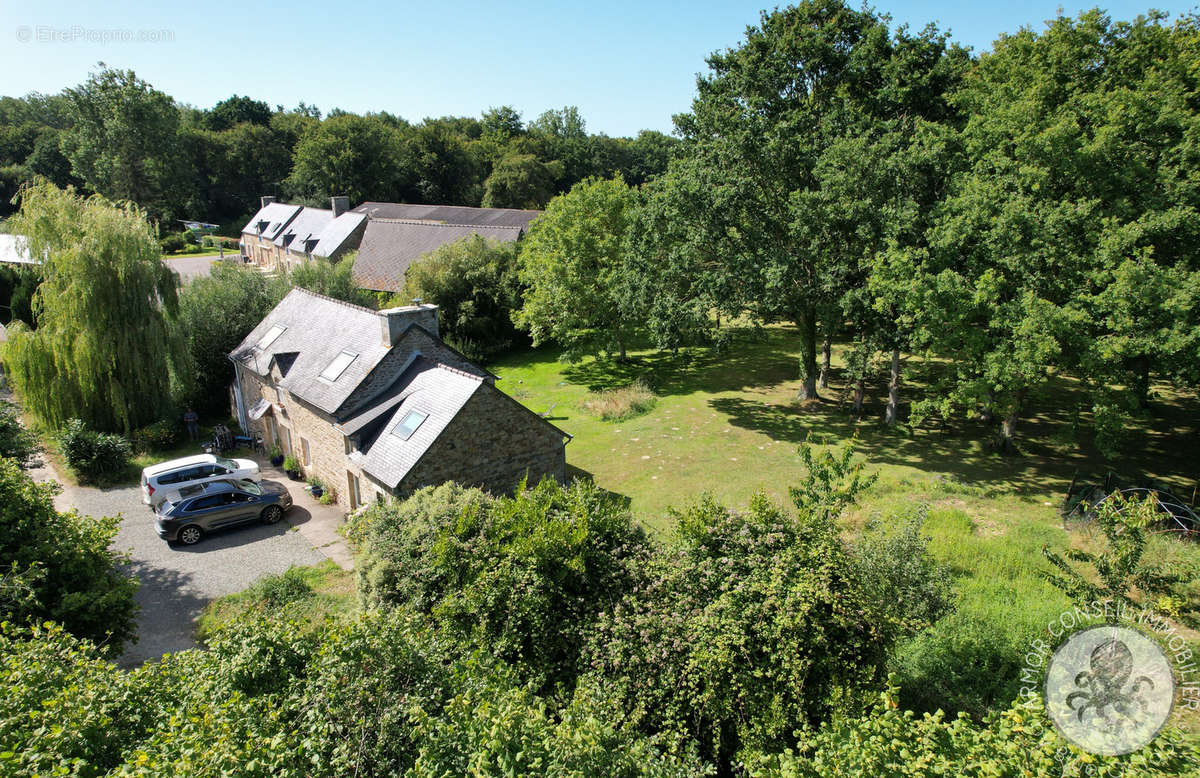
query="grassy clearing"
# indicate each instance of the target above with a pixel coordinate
(312, 595)
(621, 403)
(728, 424)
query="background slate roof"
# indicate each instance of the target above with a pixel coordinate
(277, 216)
(308, 225)
(449, 214)
(430, 388)
(318, 329)
(337, 232)
(389, 246)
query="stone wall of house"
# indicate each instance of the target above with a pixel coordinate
(260, 251)
(327, 447)
(492, 443)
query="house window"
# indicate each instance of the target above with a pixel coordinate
(409, 424)
(355, 496)
(271, 336)
(305, 455)
(349, 445)
(338, 365)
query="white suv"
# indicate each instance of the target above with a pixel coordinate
(158, 479)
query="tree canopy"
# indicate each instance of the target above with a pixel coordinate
(104, 349)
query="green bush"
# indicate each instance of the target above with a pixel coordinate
(155, 437)
(291, 463)
(521, 577)
(278, 590)
(173, 243)
(16, 442)
(1020, 741)
(754, 627)
(58, 565)
(94, 456)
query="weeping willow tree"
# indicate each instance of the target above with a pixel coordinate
(103, 349)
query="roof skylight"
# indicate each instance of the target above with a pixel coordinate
(338, 365)
(409, 424)
(271, 336)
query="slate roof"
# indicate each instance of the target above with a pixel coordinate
(431, 388)
(337, 232)
(302, 234)
(389, 246)
(449, 214)
(270, 220)
(318, 328)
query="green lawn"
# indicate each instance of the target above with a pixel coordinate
(728, 424)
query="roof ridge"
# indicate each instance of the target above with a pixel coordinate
(452, 369)
(446, 205)
(320, 296)
(436, 223)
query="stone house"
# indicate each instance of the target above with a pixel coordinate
(283, 235)
(398, 234)
(373, 403)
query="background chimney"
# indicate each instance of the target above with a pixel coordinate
(394, 321)
(339, 205)
(268, 199)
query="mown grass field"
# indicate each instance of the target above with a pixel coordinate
(728, 424)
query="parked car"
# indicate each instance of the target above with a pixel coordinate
(158, 479)
(188, 514)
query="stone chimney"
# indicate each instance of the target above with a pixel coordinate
(339, 205)
(394, 321)
(268, 199)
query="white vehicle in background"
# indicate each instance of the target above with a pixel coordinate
(159, 479)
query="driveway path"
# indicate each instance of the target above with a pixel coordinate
(177, 581)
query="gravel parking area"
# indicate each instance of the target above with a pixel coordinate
(178, 581)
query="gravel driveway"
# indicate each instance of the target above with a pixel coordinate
(177, 581)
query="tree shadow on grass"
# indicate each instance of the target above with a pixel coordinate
(753, 358)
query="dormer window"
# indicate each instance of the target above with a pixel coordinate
(271, 336)
(409, 424)
(338, 366)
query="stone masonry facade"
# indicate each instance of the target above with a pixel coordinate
(467, 450)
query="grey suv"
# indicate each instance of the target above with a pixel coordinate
(192, 512)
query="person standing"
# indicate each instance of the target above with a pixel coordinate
(193, 424)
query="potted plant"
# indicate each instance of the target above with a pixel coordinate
(276, 456)
(315, 487)
(291, 465)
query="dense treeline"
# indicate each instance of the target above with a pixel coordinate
(1022, 214)
(118, 136)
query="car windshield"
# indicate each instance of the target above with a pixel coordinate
(250, 487)
(228, 464)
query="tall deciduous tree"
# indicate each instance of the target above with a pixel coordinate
(574, 264)
(123, 140)
(762, 118)
(104, 349)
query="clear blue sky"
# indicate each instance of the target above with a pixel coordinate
(627, 65)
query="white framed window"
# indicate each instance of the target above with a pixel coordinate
(270, 337)
(338, 365)
(305, 454)
(409, 424)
